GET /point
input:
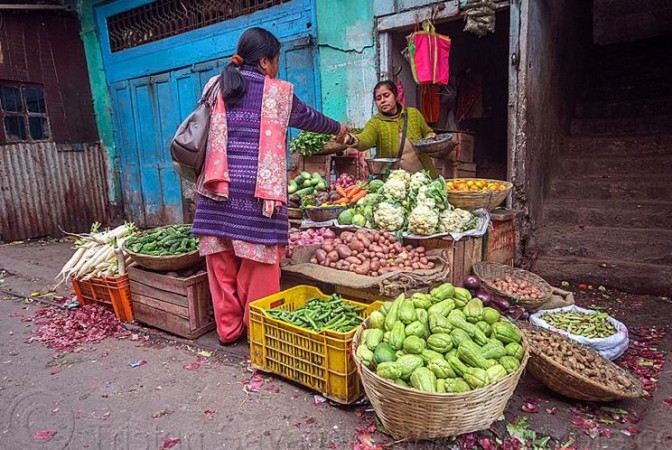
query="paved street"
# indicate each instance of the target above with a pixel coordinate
(195, 391)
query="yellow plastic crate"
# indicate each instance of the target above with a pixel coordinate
(320, 361)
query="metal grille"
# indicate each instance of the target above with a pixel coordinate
(165, 18)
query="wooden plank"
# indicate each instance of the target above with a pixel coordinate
(361, 295)
(167, 296)
(158, 318)
(458, 261)
(161, 305)
(160, 281)
(163, 281)
(205, 311)
(409, 18)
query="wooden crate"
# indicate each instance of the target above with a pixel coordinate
(454, 169)
(316, 163)
(500, 241)
(462, 255)
(182, 306)
(464, 150)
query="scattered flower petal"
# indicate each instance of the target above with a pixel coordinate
(44, 435)
(170, 443)
(530, 407)
(192, 366)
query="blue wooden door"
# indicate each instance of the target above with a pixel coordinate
(297, 66)
(147, 114)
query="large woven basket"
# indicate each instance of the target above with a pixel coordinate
(572, 384)
(488, 272)
(436, 148)
(471, 200)
(411, 414)
(164, 263)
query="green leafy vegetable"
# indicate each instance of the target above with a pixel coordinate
(308, 143)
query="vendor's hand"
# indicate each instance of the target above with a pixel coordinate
(431, 136)
(342, 134)
(350, 140)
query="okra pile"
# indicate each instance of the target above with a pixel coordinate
(595, 325)
(317, 314)
(168, 241)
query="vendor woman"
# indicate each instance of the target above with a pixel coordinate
(385, 131)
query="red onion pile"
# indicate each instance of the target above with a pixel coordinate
(308, 237)
(345, 180)
(501, 304)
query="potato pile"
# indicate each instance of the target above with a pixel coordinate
(370, 252)
(518, 288)
(579, 359)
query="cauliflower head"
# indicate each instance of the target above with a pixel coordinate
(423, 220)
(418, 179)
(423, 199)
(388, 217)
(454, 221)
(395, 188)
(402, 175)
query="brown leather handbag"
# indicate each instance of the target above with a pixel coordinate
(191, 139)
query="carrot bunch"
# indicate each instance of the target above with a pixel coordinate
(349, 195)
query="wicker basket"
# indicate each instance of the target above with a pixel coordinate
(471, 200)
(410, 414)
(294, 213)
(437, 148)
(164, 263)
(324, 213)
(570, 383)
(488, 272)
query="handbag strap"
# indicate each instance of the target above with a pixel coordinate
(402, 142)
(212, 91)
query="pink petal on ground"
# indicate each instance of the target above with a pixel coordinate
(192, 366)
(170, 443)
(530, 407)
(44, 435)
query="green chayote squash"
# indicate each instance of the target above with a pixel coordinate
(389, 370)
(423, 379)
(414, 345)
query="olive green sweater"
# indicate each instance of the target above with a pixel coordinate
(383, 133)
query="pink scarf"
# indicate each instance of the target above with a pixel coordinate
(271, 187)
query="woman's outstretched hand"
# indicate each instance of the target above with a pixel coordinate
(342, 134)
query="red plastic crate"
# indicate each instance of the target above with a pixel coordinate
(113, 293)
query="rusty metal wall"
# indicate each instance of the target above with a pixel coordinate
(42, 188)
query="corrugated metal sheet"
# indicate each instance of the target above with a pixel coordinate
(42, 188)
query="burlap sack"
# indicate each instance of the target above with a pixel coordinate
(559, 299)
